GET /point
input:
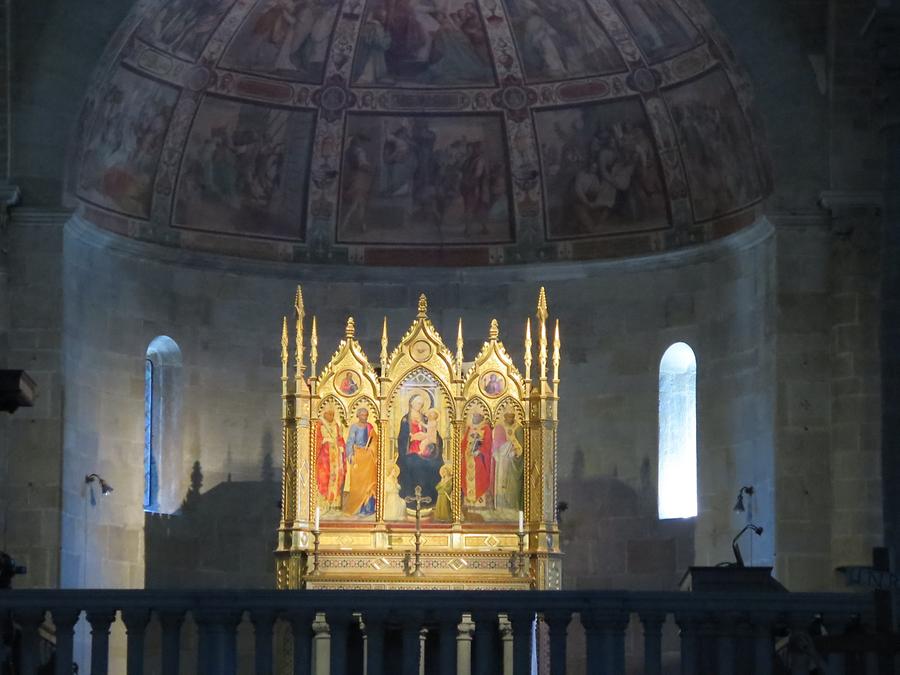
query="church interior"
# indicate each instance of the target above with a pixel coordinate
(449, 336)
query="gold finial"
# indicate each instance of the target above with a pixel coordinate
(495, 330)
(556, 354)
(542, 305)
(423, 306)
(350, 331)
(459, 348)
(284, 349)
(384, 345)
(528, 350)
(300, 313)
(313, 347)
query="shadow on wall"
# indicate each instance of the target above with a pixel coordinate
(220, 538)
(613, 538)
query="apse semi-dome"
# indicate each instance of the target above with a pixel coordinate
(421, 131)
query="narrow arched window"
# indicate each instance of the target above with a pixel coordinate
(162, 442)
(678, 433)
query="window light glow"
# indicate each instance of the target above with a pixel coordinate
(678, 433)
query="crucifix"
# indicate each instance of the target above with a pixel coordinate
(418, 500)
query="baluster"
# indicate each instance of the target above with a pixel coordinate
(521, 626)
(100, 620)
(338, 625)
(485, 643)
(171, 621)
(558, 623)
(652, 623)
(218, 641)
(449, 632)
(411, 627)
(135, 621)
(374, 626)
(605, 638)
(688, 626)
(763, 645)
(263, 625)
(64, 621)
(301, 627)
(30, 621)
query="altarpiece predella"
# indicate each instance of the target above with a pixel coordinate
(423, 471)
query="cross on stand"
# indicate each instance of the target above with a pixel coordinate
(418, 500)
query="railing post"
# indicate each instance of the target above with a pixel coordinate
(605, 639)
(688, 626)
(449, 633)
(30, 621)
(411, 645)
(301, 628)
(558, 623)
(135, 621)
(263, 621)
(486, 633)
(217, 641)
(171, 621)
(652, 623)
(64, 621)
(100, 620)
(521, 626)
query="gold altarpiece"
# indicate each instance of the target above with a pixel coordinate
(475, 441)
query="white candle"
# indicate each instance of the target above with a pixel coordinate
(318, 512)
(521, 522)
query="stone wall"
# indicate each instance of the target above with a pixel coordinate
(617, 319)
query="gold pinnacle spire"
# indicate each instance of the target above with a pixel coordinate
(423, 306)
(459, 348)
(284, 349)
(528, 350)
(556, 355)
(300, 313)
(542, 339)
(350, 330)
(313, 348)
(494, 333)
(384, 345)
(542, 305)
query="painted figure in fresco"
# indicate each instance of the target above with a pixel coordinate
(374, 41)
(470, 22)
(359, 485)
(330, 462)
(509, 450)
(399, 160)
(475, 188)
(453, 57)
(348, 385)
(443, 510)
(358, 178)
(476, 458)
(306, 44)
(406, 31)
(494, 385)
(394, 504)
(660, 28)
(419, 460)
(186, 25)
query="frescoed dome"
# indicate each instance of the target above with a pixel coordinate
(434, 132)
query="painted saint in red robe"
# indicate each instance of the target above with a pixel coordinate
(476, 454)
(330, 461)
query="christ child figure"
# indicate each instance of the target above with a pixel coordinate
(431, 433)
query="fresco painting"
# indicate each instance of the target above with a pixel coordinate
(715, 143)
(491, 464)
(123, 149)
(421, 431)
(425, 179)
(660, 28)
(423, 43)
(561, 39)
(237, 176)
(601, 170)
(285, 38)
(184, 27)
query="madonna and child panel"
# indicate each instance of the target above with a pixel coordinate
(424, 180)
(237, 175)
(126, 139)
(601, 173)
